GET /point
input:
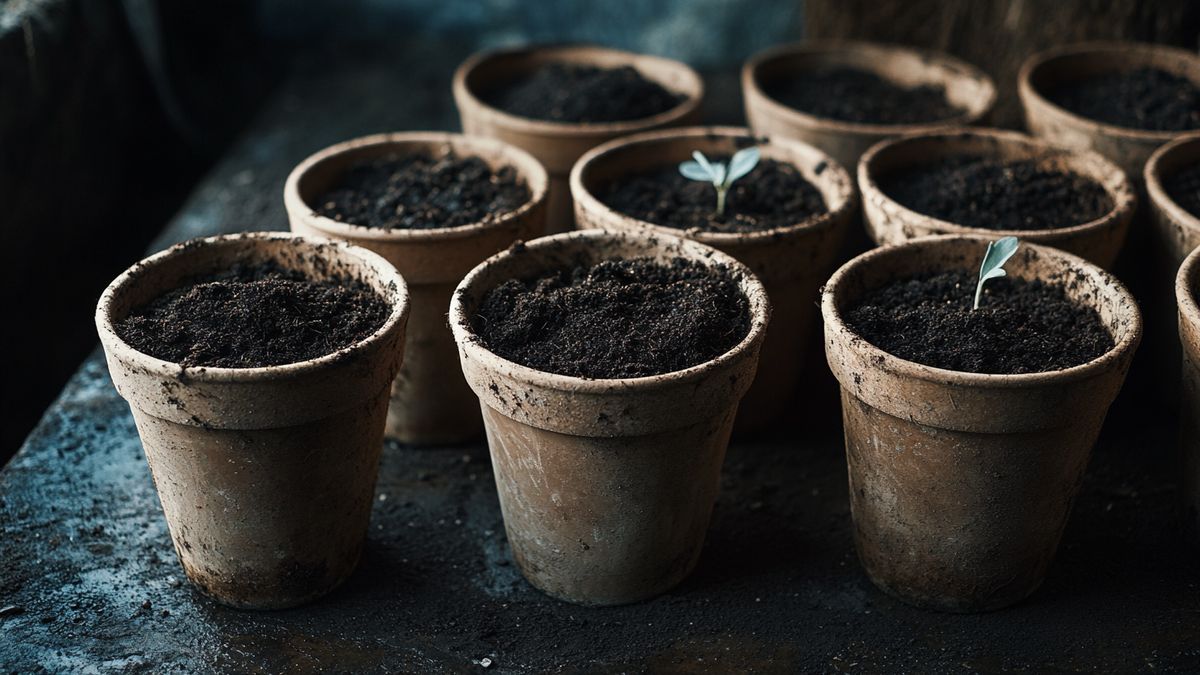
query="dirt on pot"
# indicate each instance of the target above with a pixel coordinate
(575, 93)
(1184, 189)
(774, 194)
(861, 97)
(1144, 98)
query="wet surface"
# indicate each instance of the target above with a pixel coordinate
(89, 580)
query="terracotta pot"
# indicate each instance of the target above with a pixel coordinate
(431, 403)
(966, 87)
(558, 144)
(266, 475)
(888, 222)
(792, 262)
(1186, 284)
(1128, 148)
(961, 483)
(1177, 229)
(606, 485)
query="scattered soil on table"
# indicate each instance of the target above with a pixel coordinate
(998, 195)
(862, 97)
(1184, 189)
(253, 316)
(562, 92)
(1145, 98)
(773, 195)
(618, 318)
(1020, 327)
(422, 191)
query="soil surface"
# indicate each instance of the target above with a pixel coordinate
(1184, 189)
(1020, 326)
(254, 316)
(618, 318)
(561, 92)
(998, 195)
(423, 191)
(859, 96)
(773, 195)
(1145, 98)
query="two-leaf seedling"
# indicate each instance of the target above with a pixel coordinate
(718, 173)
(998, 253)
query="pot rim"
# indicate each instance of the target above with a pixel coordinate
(1124, 198)
(132, 275)
(828, 219)
(1152, 175)
(911, 369)
(1185, 282)
(756, 296)
(1135, 51)
(750, 82)
(689, 104)
(529, 169)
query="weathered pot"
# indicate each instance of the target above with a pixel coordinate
(1178, 230)
(966, 87)
(961, 483)
(792, 262)
(431, 403)
(1186, 284)
(606, 485)
(888, 222)
(1128, 148)
(558, 144)
(266, 475)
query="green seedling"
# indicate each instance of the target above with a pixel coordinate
(998, 253)
(718, 173)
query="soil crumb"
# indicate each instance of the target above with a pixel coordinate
(861, 97)
(580, 94)
(1145, 98)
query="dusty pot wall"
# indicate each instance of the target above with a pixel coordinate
(961, 483)
(606, 485)
(557, 144)
(431, 403)
(792, 262)
(966, 87)
(888, 222)
(1186, 284)
(266, 475)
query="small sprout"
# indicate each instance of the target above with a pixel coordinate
(998, 253)
(718, 173)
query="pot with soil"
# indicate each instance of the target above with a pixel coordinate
(257, 367)
(991, 182)
(785, 220)
(609, 367)
(844, 97)
(1186, 286)
(1172, 177)
(558, 102)
(434, 205)
(968, 430)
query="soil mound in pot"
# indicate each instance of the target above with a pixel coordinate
(1184, 189)
(1020, 327)
(998, 195)
(1144, 98)
(562, 92)
(616, 319)
(254, 316)
(859, 96)
(773, 195)
(422, 191)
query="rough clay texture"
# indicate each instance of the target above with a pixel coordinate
(1145, 98)
(560, 92)
(859, 96)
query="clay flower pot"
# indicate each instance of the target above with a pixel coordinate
(792, 262)
(889, 222)
(431, 404)
(266, 475)
(961, 483)
(1186, 284)
(557, 144)
(1128, 148)
(1178, 230)
(606, 485)
(966, 87)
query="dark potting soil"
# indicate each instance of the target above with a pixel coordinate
(562, 92)
(618, 318)
(1145, 98)
(774, 194)
(1020, 326)
(859, 96)
(422, 191)
(253, 316)
(1184, 189)
(998, 195)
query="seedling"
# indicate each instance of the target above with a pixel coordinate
(718, 173)
(998, 253)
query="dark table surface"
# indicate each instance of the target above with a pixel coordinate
(89, 580)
